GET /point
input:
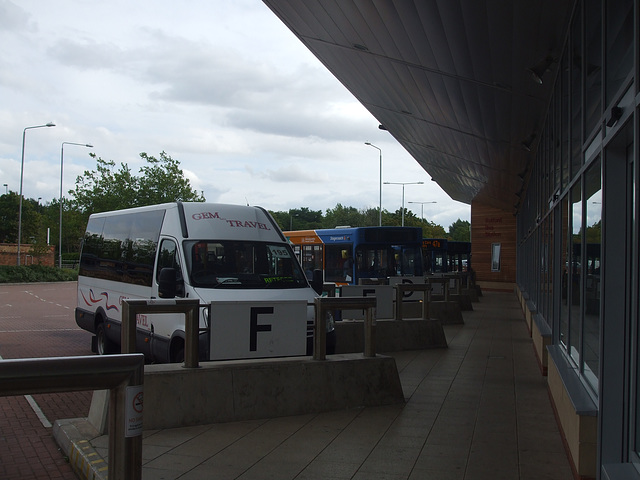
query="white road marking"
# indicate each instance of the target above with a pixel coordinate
(37, 410)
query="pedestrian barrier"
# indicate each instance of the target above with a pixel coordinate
(131, 308)
(402, 288)
(325, 304)
(123, 375)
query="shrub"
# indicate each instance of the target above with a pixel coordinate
(35, 273)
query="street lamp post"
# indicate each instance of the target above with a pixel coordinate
(24, 133)
(61, 170)
(403, 184)
(422, 208)
(380, 208)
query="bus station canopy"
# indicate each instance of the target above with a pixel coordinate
(462, 85)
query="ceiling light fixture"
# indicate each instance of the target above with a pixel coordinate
(527, 143)
(540, 68)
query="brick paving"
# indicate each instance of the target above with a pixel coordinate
(27, 449)
(37, 320)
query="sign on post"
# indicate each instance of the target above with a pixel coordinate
(133, 411)
(409, 296)
(382, 293)
(258, 329)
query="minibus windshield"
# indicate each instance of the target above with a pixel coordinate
(242, 264)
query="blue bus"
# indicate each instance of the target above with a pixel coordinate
(348, 255)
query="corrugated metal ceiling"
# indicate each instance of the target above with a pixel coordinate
(448, 79)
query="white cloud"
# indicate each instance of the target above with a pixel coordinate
(223, 87)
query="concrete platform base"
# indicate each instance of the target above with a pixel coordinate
(254, 389)
(391, 335)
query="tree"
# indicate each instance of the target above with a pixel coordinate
(298, 219)
(163, 181)
(342, 216)
(106, 189)
(432, 230)
(32, 230)
(74, 223)
(9, 206)
(459, 231)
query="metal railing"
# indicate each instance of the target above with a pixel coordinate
(118, 373)
(189, 307)
(402, 288)
(325, 304)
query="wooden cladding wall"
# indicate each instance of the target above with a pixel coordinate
(490, 226)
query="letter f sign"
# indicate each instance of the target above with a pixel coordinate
(255, 328)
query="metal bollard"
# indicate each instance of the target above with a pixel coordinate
(325, 304)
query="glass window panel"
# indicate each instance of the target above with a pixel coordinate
(549, 303)
(619, 44)
(575, 273)
(495, 257)
(557, 138)
(592, 259)
(311, 259)
(593, 64)
(576, 92)
(565, 124)
(564, 300)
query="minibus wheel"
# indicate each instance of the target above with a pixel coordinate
(104, 346)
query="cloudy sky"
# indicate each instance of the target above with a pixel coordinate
(221, 86)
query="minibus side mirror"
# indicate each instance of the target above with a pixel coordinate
(317, 281)
(167, 282)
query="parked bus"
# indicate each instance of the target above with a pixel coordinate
(442, 255)
(348, 255)
(213, 252)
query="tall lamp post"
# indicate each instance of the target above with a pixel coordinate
(380, 208)
(422, 208)
(403, 184)
(61, 170)
(24, 133)
(291, 215)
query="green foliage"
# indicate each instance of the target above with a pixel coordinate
(163, 180)
(35, 273)
(432, 230)
(298, 219)
(305, 219)
(342, 216)
(106, 188)
(594, 233)
(9, 206)
(459, 231)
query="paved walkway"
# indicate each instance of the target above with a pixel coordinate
(476, 410)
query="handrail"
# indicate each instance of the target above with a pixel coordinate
(401, 288)
(118, 373)
(325, 304)
(133, 307)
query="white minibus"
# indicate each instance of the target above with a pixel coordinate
(220, 254)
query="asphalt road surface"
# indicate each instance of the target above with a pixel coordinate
(37, 320)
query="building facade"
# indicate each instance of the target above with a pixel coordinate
(529, 111)
(577, 241)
